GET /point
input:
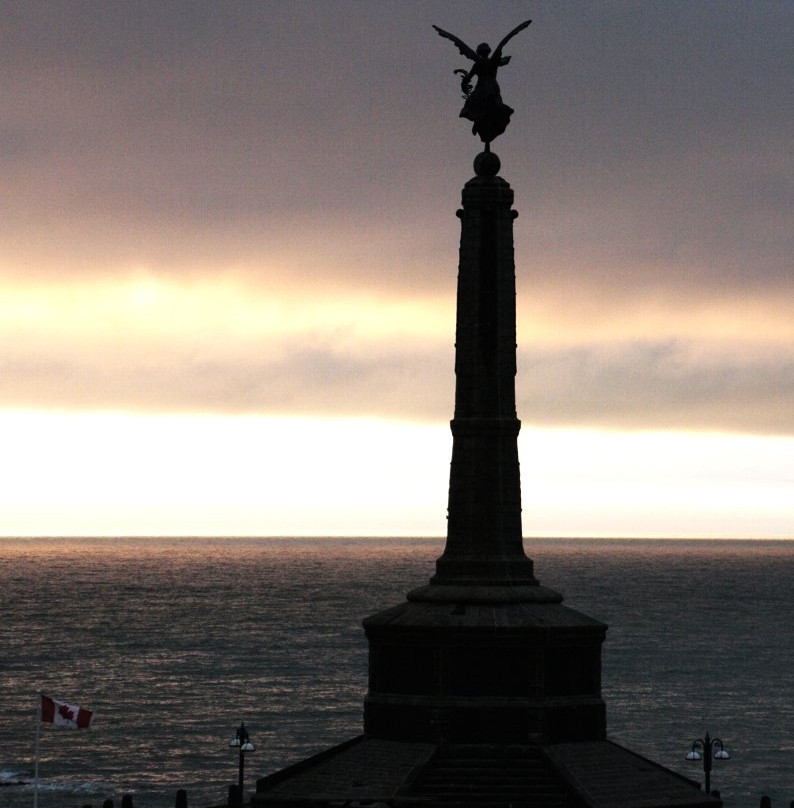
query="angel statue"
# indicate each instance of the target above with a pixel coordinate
(484, 105)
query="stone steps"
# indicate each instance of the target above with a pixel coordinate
(491, 777)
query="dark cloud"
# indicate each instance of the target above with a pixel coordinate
(318, 145)
(650, 385)
(659, 385)
(642, 131)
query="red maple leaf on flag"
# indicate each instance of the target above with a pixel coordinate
(66, 712)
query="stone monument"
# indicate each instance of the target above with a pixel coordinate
(484, 688)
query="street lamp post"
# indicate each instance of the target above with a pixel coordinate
(243, 743)
(709, 750)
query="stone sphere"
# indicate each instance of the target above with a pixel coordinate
(487, 164)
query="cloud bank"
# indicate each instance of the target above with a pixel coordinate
(280, 158)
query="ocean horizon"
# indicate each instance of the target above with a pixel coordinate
(173, 641)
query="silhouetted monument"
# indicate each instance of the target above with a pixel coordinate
(484, 688)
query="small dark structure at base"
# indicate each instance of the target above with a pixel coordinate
(484, 689)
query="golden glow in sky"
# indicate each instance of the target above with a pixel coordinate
(120, 474)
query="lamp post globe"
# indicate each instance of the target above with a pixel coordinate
(708, 749)
(242, 742)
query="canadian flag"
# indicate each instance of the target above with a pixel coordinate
(64, 715)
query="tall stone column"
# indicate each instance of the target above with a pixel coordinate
(484, 537)
(483, 652)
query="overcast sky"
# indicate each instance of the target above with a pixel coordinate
(227, 208)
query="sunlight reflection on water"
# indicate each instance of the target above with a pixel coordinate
(173, 642)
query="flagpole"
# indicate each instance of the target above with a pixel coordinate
(36, 757)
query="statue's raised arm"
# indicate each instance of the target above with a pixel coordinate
(484, 105)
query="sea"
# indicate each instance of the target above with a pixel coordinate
(174, 642)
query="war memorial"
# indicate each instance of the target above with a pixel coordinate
(484, 688)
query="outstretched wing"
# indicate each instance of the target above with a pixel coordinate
(516, 30)
(462, 46)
